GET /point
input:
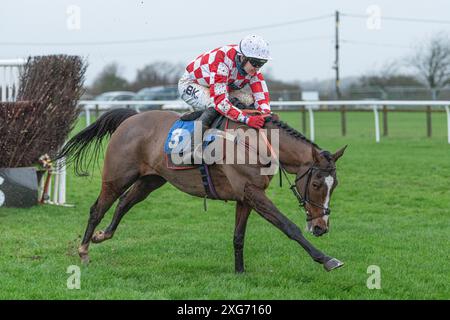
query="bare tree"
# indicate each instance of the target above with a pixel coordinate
(432, 63)
(279, 85)
(109, 79)
(157, 74)
(388, 77)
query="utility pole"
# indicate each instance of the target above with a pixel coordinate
(336, 62)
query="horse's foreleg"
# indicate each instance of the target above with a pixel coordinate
(242, 213)
(258, 200)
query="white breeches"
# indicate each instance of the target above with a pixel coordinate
(199, 96)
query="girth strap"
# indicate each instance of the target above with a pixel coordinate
(207, 182)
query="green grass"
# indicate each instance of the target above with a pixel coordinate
(391, 209)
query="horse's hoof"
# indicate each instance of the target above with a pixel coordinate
(85, 259)
(98, 237)
(333, 263)
(83, 253)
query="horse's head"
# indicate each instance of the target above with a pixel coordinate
(315, 184)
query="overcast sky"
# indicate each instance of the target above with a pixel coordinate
(103, 31)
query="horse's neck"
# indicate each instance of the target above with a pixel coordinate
(294, 153)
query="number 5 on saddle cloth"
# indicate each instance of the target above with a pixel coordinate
(182, 138)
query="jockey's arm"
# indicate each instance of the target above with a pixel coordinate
(260, 93)
(219, 93)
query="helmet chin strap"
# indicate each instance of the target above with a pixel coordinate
(241, 60)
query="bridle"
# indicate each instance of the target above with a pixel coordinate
(302, 201)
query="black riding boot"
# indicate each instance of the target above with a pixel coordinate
(207, 118)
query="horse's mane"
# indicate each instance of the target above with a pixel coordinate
(291, 131)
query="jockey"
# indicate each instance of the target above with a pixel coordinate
(217, 81)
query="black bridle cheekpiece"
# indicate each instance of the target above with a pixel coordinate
(305, 199)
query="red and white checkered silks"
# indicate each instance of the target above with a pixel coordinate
(217, 70)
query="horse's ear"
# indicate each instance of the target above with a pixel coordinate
(339, 153)
(315, 155)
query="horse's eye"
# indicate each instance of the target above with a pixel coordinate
(316, 185)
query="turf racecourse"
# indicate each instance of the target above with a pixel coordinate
(391, 210)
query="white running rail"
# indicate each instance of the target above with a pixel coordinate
(89, 105)
(9, 78)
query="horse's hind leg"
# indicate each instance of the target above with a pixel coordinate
(109, 193)
(138, 192)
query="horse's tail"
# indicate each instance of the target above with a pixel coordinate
(78, 149)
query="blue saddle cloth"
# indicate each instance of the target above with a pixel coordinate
(179, 142)
(180, 135)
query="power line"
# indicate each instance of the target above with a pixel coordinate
(375, 44)
(361, 16)
(184, 37)
(312, 38)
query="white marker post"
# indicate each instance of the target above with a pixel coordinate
(2, 195)
(56, 172)
(311, 96)
(377, 123)
(88, 115)
(448, 123)
(59, 185)
(62, 182)
(311, 123)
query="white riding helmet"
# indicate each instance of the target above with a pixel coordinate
(253, 46)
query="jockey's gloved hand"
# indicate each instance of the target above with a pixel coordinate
(256, 122)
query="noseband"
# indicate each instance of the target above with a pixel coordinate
(302, 201)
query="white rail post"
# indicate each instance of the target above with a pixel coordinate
(59, 185)
(17, 80)
(41, 187)
(9, 78)
(4, 85)
(56, 173)
(12, 85)
(448, 123)
(88, 115)
(311, 123)
(50, 182)
(62, 182)
(377, 123)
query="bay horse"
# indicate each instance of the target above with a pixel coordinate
(134, 166)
